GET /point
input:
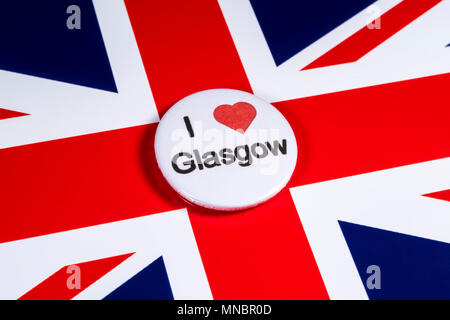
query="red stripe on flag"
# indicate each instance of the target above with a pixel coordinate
(262, 253)
(78, 182)
(186, 47)
(362, 130)
(440, 195)
(6, 114)
(62, 285)
(109, 176)
(365, 40)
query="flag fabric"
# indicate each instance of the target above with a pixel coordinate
(86, 213)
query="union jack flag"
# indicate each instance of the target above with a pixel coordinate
(87, 215)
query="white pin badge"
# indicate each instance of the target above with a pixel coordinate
(225, 149)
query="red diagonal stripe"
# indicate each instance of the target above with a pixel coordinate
(440, 195)
(6, 114)
(56, 286)
(365, 40)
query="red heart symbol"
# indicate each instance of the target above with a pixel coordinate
(238, 117)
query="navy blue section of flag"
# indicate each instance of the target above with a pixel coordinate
(152, 283)
(410, 267)
(290, 26)
(36, 41)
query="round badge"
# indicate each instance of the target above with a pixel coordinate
(225, 149)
